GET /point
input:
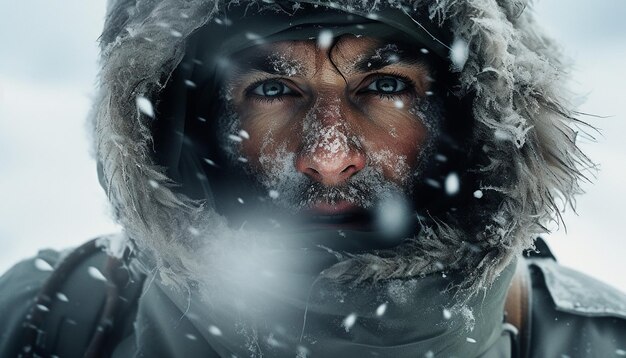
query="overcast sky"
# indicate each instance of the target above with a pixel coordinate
(49, 191)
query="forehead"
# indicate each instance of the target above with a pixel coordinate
(349, 53)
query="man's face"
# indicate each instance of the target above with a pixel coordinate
(331, 131)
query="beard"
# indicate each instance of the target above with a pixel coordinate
(292, 190)
(284, 189)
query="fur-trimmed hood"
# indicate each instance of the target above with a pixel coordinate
(523, 135)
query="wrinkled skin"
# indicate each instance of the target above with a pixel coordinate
(331, 113)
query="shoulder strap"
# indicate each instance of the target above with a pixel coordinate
(76, 312)
(517, 306)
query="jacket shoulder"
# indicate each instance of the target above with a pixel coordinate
(18, 289)
(579, 294)
(573, 314)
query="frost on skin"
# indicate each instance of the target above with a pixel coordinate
(279, 175)
(328, 142)
(397, 163)
(285, 66)
(333, 140)
(388, 54)
(326, 136)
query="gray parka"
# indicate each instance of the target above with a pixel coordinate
(522, 159)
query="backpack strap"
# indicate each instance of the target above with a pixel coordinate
(80, 308)
(517, 307)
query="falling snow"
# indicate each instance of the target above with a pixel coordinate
(271, 341)
(470, 340)
(43, 265)
(214, 330)
(478, 194)
(62, 297)
(96, 274)
(273, 194)
(447, 314)
(502, 135)
(225, 22)
(191, 337)
(324, 39)
(302, 352)
(452, 184)
(145, 106)
(393, 213)
(252, 36)
(433, 183)
(459, 52)
(349, 321)
(381, 309)
(243, 134)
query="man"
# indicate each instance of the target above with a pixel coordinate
(327, 180)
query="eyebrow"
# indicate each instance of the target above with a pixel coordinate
(377, 59)
(267, 62)
(374, 59)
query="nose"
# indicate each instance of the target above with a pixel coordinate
(331, 156)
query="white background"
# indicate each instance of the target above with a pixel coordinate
(50, 196)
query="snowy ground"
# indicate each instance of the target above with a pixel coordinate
(49, 190)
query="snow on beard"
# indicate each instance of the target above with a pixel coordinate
(291, 189)
(327, 141)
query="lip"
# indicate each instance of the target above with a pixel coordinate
(339, 208)
(340, 215)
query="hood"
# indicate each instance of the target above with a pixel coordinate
(525, 164)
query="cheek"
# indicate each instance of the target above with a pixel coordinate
(394, 143)
(269, 141)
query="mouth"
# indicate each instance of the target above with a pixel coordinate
(340, 215)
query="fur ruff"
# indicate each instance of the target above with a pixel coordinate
(525, 125)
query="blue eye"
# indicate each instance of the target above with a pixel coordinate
(271, 88)
(387, 85)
